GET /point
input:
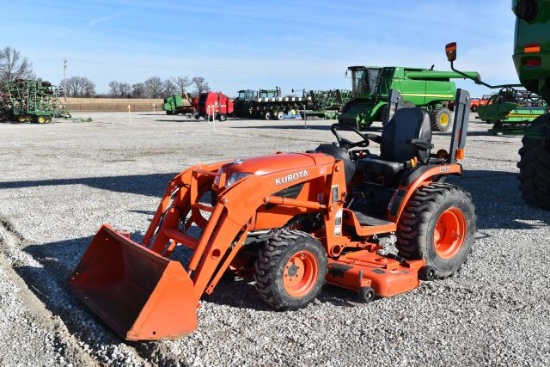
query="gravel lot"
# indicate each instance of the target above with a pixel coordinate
(60, 182)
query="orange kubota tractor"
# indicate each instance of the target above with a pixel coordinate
(374, 224)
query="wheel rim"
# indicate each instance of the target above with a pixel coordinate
(444, 119)
(449, 233)
(300, 274)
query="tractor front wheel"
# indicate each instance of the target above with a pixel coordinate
(290, 270)
(440, 119)
(438, 225)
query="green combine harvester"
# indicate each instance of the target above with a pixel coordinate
(427, 88)
(31, 100)
(532, 61)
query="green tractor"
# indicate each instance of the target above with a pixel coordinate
(243, 103)
(427, 88)
(532, 61)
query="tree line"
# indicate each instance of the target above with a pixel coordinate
(14, 66)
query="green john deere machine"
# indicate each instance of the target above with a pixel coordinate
(532, 61)
(427, 88)
(511, 110)
(179, 104)
(31, 100)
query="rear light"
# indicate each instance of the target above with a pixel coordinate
(531, 63)
(460, 154)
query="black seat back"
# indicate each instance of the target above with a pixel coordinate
(407, 124)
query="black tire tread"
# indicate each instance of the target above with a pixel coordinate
(269, 261)
(414, 232)
(534, 165)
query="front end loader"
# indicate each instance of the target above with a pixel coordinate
(373, 224)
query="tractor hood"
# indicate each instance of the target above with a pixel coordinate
(277, 162)
(289, 164)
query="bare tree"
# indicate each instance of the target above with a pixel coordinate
(200, 84)
(13, 66)
(153, 87)
(78, 86)
(124, 89)
(169, 88)
(117, 89)
(113, 88)
(89, 88)
(138, 90)
(182, 83)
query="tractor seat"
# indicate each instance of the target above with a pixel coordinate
(406, 136)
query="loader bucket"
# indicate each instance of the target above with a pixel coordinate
(138, 293)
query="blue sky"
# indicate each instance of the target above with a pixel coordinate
(257, 44)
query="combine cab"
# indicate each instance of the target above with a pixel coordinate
(373, 224)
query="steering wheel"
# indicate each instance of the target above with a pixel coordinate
(348, 144)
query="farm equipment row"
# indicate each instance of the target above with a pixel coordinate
(270, 104)
(31, 100)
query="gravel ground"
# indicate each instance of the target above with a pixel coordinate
(60, 182)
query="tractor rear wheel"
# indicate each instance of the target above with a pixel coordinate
(534, 164)
(290, 270)
(440, 119)
(438, 225)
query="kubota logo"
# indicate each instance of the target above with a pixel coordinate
(290, 177)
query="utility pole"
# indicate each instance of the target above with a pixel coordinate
(65, 79)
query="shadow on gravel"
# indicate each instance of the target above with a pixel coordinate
(148, 185)
(498, 200)
(49, 283)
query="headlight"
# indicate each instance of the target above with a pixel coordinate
(234, 177)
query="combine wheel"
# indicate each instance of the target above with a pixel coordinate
(290, 270)
(438, 225)
(534, 164)
(440, 119)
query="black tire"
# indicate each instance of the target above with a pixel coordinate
(384, 114)
(438, 225)
(286, 257)
(222, 117)
(267, 115)
(366, 294)
(534, 164)
(440, 119)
